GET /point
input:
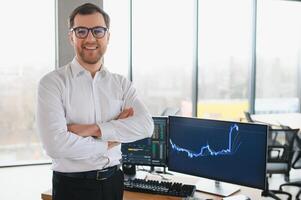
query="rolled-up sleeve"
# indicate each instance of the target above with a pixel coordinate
(52, 126)
(130, 129)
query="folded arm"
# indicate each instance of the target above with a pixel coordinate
(52, 126)
(132, 124)
(93, 130)
(129, 129)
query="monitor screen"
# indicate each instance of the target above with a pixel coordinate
(149, 151)
(224, 151)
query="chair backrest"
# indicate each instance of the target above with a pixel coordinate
(248, 116)
(281, 145)
(171, 111)
(250, 119)
(297, 154)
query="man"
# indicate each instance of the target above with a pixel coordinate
(84, 113)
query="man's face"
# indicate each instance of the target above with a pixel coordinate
(89, 50)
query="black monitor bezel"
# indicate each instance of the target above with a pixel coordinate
(166, 148)
(218, 178)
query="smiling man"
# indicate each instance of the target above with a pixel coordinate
(84, 113)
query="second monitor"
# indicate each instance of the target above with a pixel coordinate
(148, 151)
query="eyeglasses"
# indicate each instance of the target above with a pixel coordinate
(82, 32)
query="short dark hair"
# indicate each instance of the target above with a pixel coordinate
(87, 9)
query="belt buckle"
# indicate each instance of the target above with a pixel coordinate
(98, 175)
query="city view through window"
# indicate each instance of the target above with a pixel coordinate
(162, 59)
(27, 53)
(162, 55)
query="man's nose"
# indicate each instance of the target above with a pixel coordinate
(90, 36)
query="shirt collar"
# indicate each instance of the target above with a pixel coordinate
(78, 70)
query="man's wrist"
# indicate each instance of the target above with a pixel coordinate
(97, 131)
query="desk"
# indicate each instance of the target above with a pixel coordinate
(292, 120)
(252, 193)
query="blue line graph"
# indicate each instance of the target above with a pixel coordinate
(233, 146)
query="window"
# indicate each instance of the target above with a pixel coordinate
(278, 56)
(116, 57)
(225, 33)
(162, 53)
(163, 44)
(27, 53)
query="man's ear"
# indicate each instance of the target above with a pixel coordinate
(108, 37)
(70, 36)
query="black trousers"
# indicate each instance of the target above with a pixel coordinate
(67, 188)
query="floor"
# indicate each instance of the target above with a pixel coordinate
(277, 179)
(24, 183)
(28, 182)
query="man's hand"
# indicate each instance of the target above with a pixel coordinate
(84, 130)
(112, 144)
(127, 112)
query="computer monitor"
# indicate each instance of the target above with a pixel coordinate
(149, 151)
(224, 151)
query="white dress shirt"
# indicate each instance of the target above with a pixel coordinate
(70, 95)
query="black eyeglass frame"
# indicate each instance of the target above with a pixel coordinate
(89, 29)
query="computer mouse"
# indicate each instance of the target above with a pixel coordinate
(237, 197)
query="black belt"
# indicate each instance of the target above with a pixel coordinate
(100, 175)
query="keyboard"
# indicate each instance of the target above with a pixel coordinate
(162, 188)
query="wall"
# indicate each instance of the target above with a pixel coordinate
(65, 52)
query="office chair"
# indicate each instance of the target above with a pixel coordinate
(251, 120)
(296, 165)
(281, 151)
(272, 136)
(171, 111)
(280, 156)
(248, 117)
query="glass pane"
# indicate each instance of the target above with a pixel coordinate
(116, 57)
(162, 53)
(225, 31)
(26, 56)
(278, 56)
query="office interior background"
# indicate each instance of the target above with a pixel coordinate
(209, 58)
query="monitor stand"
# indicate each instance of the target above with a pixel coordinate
(216, 187)
(152, 170)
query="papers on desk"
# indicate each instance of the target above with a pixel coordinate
(194, 198)
(237, 197)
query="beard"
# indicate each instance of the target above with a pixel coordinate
(91, 56)
(90, 59)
